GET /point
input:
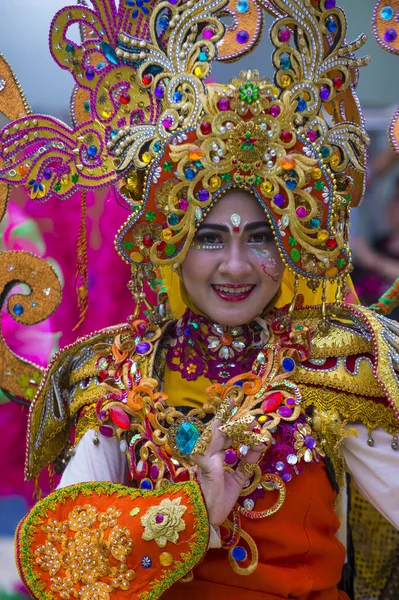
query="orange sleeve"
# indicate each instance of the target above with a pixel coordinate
(104, 541)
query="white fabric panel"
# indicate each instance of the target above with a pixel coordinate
(375, 469)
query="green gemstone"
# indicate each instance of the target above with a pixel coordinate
(295, 255)
(150, 216)
(258, 180)
(319, 185)
(170, 249)
(292, 241)
(226, 177)
(128, 245)
(57, 186)
(168, 166)
(75, 178)
(187, 436)
(341, 262)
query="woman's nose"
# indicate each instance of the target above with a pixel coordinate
(235, 262)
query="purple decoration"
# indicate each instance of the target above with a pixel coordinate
(242, 36)
(230, 456)
(290, 401)
(286, 477)
(203, 195)
(301, 212)
(141, 329)
(106, 430)
(284, 35)
(47, 173)
(329, 4)
(223, 104)
(310, 442)
(167, 123)
(390, 35)
(312, 135)
(207, 33)
(159, 518)
(285, 411)
(275, 111)
(143, 347)
(325, 92)
(154, 472)
(90, 72)
(279, 200)
(159, 92)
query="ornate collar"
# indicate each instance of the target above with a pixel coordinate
(198, 346)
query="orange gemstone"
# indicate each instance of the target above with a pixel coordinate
(196, 153)
(226, 339)
(287, 162)
(22, 170)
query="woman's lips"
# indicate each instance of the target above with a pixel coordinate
(233, 292)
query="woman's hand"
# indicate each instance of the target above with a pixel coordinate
(220, 489)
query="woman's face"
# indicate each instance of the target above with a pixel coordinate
(233, 268)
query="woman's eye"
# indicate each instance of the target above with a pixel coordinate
(261, 238)
(209, 238)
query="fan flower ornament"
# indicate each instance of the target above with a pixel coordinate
(164, 522)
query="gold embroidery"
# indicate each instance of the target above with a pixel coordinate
(163, 523)
(352, 407)
(85, 557)
(88, 420)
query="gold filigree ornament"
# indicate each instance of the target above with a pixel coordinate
(164, 522)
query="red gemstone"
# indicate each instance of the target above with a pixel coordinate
(206, 128)
(236, 229)
(148, 241)
(272, 402)
(331, 243)
(161, 246)
(146, 79)
(124, 98)
(120, 418)
(337, 83)
(103, 375)
(286, 136)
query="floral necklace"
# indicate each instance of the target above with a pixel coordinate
(198, 346)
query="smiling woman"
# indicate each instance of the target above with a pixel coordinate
(233, 268)
(204, 451)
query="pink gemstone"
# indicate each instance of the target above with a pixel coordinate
(301, 212)
(223, 104)
(183, 204)
(154, 472)
(275, 111)
(120, 418)
(312, 135)
(159, 518)
(167, 123)
(284, 35)
(141, 329)
(207, 33)
(230, 456)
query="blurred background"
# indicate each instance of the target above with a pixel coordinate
(50, 230)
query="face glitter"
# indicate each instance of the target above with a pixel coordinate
(267, 262)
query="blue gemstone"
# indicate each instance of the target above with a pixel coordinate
(18, 309)
(242, 6)
(239, 383)
(187, 331)
(90, 72)
(332, 26)
(157, 146)
(325, 152)
(109, 53)
(47, 173)
(387, 13)
(173, 219)
(187, 436)
(34, 304)
(314, 223)
(190, 174)
(239, 553)
(203, 195)
(285, 63)
(164, 22)
(146, 562)
(101, 65)
(70, 49)
(301, 105)
(92, 151)
(177, 96)
(146, 484)
(291, 184)
(203, 56)
(113, 133)
(288, 364)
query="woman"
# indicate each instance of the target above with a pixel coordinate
(207, 456)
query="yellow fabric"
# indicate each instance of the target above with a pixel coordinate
(179, 299)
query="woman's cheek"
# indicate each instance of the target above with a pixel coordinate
(267, 263)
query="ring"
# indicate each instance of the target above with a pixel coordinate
(202, 445)
(247, 468)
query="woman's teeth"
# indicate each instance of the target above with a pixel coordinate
(234, 291)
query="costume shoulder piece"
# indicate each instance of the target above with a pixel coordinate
(71, 382)
(358, 357)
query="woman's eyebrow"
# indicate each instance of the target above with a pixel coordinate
(226, 228)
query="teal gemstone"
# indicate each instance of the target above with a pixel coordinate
(203, 56)
(315, 223)
(285, 63)
(242, 6)
(109, 53)
(387, 13)
(325, 152)
(187, 436)
(70, 49)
